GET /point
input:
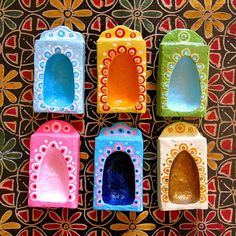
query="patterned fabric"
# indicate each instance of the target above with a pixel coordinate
(22, 21)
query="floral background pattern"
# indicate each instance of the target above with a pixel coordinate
(22, 21)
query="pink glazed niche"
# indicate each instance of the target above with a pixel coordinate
(54, 166)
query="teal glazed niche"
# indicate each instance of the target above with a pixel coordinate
(59, 71)
(184, 93)
(58, 86)
(182, 74)
(118, 178)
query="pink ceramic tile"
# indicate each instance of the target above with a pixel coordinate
(54, 166)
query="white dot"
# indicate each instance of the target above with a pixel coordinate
(100, 150)
(35, 150)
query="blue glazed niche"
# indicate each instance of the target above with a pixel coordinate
(184, 93)
(118, 180)
(58, 86)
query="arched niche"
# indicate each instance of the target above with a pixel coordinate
(118, 179)
(123, 84)
(184, 94)
(53, 178)
(58, 85)
(184, 186)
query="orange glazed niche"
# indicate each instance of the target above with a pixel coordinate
(121, 54)
(123, 94)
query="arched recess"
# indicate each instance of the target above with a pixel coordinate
(118, 179)
(123, 84)
(184, 94)
(53, 178)
(58, 84)
(184, 184)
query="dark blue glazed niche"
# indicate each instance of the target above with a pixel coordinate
(118, 179)
(184, 93)
(58, 86)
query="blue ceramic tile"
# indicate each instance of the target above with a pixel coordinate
(118, 175)
(59, 71)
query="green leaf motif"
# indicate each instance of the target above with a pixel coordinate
(122, 13)
(126, 4)
(152, 14)
(146, 4)
(10, 144)
(148, 25)
(150, 156)
(1, 28)
(13, 13)
(2, 138)
(138, 25)
(13, 155)
(7, 3)
(129, 22)
(10, 24)
(10, 165)
(146, 166)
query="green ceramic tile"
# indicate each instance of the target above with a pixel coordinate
(187, 95)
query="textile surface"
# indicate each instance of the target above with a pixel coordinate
(22, 21)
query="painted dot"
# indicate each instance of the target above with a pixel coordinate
(132, 35)
(76, 85)
(47, 54)
(74, 63)
(57, 50)
(61, 33)
(76, 74)
(68, 54)
(120, 33)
